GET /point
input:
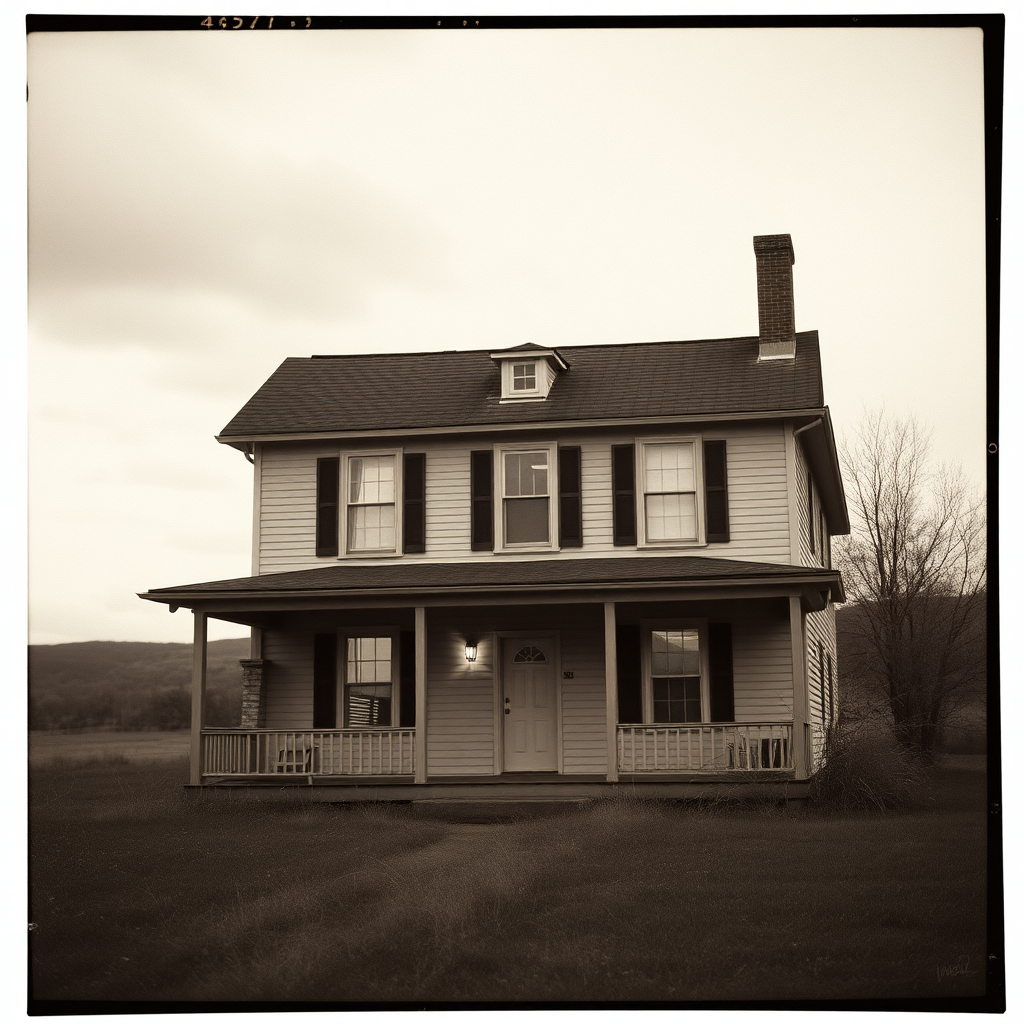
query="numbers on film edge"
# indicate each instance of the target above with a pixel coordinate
(234, 22)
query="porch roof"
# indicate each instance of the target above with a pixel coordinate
(504, 575)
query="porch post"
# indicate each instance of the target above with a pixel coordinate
(796, 633)
(198, 696)
(421, 695)
(611, 691)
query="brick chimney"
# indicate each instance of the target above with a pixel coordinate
(776, 323)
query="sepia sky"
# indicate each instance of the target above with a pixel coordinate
(203, 205)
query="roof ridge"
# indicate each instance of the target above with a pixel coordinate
(605, 345)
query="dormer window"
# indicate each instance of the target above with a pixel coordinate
(528, 372)
(524, 377)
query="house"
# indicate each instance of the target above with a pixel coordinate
(494, 572)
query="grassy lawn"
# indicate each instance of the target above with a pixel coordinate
(140, 895)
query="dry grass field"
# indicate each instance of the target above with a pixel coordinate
(138, 894)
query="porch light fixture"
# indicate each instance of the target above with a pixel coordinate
(470, 652)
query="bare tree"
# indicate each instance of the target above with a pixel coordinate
(914, 564)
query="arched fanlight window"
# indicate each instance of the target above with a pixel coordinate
(528, 654)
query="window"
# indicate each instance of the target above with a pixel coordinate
(526, 508)
(369, 679)
(371, 498)
(524, 377)
(670, 507)
(675, 682)
(675, 675)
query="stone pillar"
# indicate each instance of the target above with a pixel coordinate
(252, 692)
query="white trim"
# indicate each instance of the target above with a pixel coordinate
(506, 428)
(697, 441)
(647, 627)
(257, 504)
(500, 451)
(611, 692)
(344, 503)
(344, 634)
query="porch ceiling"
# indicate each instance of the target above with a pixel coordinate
(507, 580)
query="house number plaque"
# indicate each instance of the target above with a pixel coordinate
(567, 675)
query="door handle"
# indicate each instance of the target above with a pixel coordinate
(508, 711)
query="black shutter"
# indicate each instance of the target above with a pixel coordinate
(414, 523)
(716, 492)
(570, 503)
(720, 661)
(325, 681)
(623, 496)
(627, 660)
(327, 471)
(407, 679)
(481, 487)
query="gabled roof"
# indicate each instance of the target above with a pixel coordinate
(504, 575)
(323, 394)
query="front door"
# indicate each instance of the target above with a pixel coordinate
(530, 706)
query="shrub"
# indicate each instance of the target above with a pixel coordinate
(865, 769)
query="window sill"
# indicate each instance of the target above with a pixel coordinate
(547, 550)
(671, 545)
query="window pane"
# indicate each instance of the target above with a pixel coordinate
(372, 479)
(371, 528)
(526, 521)
(369, 659)
(524, 376)
(367, 706)
(668, 467)
(671, 517)
(676, 699)
(526, 473)
(675, 652)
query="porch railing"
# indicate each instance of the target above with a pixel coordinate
(747, 746)
(309, 752)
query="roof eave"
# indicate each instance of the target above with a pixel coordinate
(240, 440)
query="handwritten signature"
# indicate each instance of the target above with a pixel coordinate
(958, 969)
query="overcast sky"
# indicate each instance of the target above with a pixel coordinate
(203, 205)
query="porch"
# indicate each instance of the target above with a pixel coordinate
(699, 677)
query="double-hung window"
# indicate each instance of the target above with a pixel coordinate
(676, 691)
(370, 490)
(369, 682)
(526, 513)
(670, 474)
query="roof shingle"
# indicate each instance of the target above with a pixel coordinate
(452, 389)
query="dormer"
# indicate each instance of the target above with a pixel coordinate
(528, 372)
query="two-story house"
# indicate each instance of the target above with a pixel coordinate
(490, 572)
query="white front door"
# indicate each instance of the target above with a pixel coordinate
(530, 706)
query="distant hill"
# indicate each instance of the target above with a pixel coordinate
(110, 685)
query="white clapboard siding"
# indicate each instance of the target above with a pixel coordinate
(460, 705)
(762, 670)
(584, 731)
(289, 679)
(758, 502)
(287, 516)
(447, 500)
